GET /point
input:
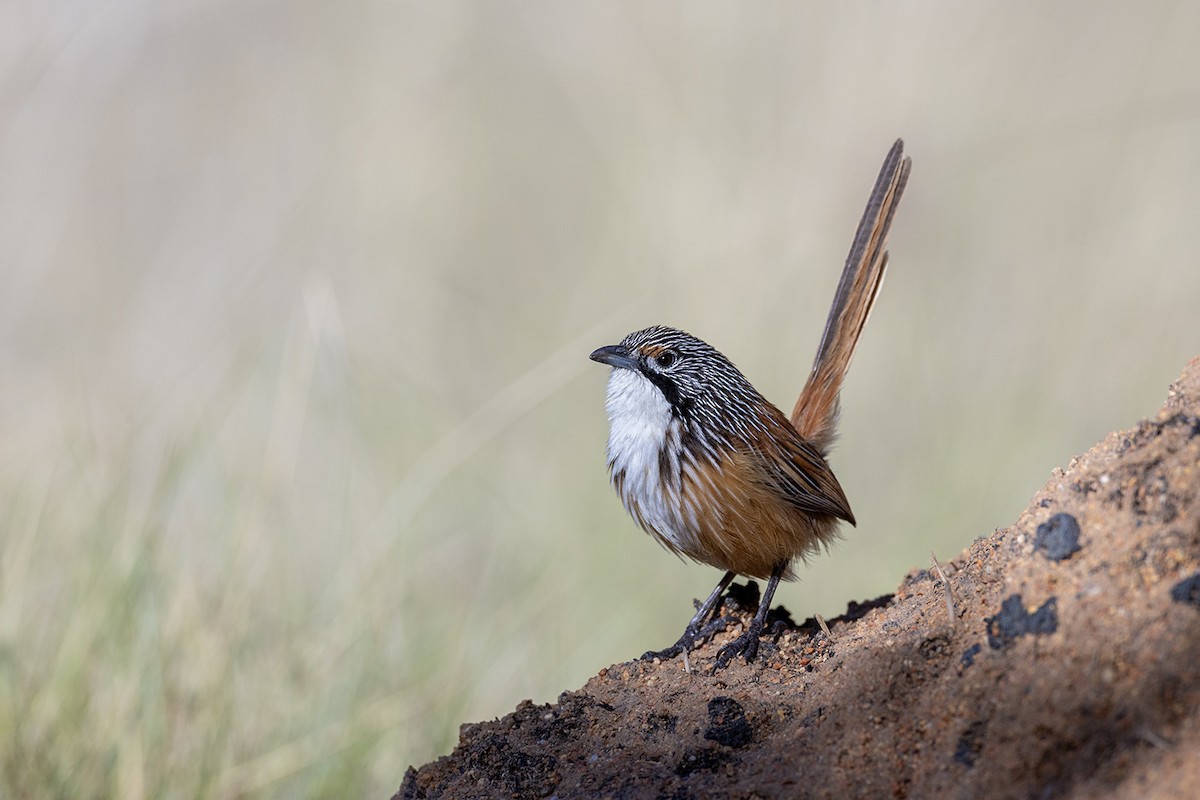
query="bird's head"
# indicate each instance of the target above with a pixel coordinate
(692, 377)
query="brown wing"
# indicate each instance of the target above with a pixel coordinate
(798, 473)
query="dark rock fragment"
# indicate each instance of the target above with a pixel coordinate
(727, 723)
(1014, 621)
(970, 744)
(1187, 591)
(1058, 537)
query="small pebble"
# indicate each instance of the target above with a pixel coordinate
(968, 657)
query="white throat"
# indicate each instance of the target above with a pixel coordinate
(638, 419)
(641, 428)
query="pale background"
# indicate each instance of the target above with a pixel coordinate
(302, 457)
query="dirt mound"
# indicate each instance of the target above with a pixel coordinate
(1061, 658)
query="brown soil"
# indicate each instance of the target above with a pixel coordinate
(1069, 667)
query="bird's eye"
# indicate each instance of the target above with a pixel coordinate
(666, 358)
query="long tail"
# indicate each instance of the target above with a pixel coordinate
(816, 413)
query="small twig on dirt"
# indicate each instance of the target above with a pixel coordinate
(687, 665)
(1152, 738)
(824, 626)
(945, 586)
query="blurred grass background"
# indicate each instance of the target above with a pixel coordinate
(302, 456)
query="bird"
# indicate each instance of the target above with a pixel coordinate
(714, 471)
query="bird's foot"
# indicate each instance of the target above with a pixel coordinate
(745, 646)
(692, 637)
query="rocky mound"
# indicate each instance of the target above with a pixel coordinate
(1059, 657)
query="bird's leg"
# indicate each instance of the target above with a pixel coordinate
(692, 631)
(746, 645)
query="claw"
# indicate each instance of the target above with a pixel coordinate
(690, 640)
(665, 655)
(745, 646)
(685, 643)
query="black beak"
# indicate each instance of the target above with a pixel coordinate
(615, 356)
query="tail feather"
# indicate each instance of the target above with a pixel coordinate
(816, 412)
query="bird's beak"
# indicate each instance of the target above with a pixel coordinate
(615, 356)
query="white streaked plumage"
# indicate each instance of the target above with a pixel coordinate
(642, 432)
